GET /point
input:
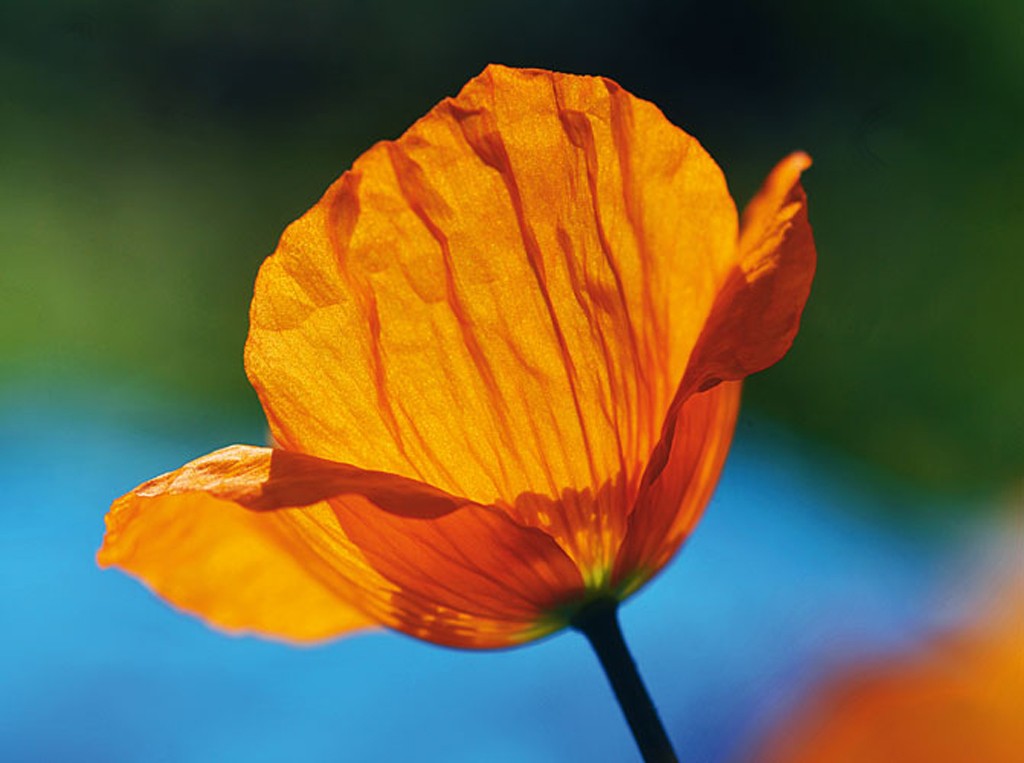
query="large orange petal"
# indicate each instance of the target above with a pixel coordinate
(502, 302)
(287, 545)
(757, 312)
(678, 483)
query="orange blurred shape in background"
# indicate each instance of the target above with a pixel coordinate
(958, 699)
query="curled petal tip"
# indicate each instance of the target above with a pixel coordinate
(800, 159)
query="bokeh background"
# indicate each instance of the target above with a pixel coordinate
(152, 153)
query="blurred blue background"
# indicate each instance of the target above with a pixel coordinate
(150, 155)
(784, 576)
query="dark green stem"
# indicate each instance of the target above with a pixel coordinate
(599, 622)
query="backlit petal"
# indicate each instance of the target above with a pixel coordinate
(265, 541)
(239, 570)
(757, 312)
(678, 483)
(472, 578)
(502, 302)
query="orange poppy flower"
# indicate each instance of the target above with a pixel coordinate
(500, 360)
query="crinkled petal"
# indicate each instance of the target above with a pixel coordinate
(502, 302)
(678, 483)
(299, 548)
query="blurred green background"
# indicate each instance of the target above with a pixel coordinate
(152, 153)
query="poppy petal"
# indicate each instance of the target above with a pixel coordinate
(472, 578)
(502, 301)
(678, 483)
(258, 540)
(189, 537)
(757, 312)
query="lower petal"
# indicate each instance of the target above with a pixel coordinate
(234, 568)
(678, 483)
(299, 548)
